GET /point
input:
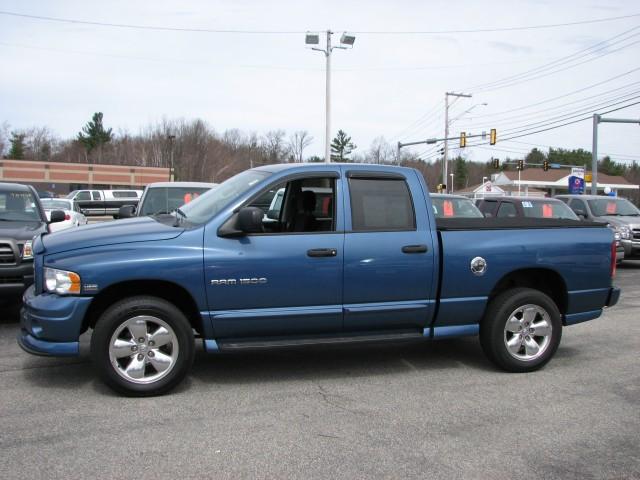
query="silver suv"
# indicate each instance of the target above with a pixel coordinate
(622, 215)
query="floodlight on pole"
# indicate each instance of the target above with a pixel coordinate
(314, 39)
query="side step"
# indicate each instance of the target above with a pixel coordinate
(283, 342)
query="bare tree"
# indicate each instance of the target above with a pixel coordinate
(380, 151)
(274, 146)
(298, 142)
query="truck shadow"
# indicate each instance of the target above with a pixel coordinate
(339, 362)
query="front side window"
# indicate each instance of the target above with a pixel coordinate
(381, 204)
(96, 195)
(83, 196)
(298, 206)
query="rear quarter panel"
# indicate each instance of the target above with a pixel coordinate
(581, 256)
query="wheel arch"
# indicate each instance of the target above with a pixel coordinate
(546, 280)
(165, 290)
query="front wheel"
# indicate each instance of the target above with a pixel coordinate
(521, 330)
(142, 346)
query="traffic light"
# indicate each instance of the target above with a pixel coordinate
(463, 139)
(495, 162)
(520, 165)
(545, 165)
(441, 188)
(492, 136)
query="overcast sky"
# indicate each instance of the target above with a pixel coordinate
(57, 74)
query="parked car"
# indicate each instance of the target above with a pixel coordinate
(532, 207)
(104, 202)
(21, 219)
(535, 207)
(453, 206)
(165, 197)
(384, 269)
(73, 217)
(622, 215)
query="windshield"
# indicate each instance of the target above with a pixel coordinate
(167, 199)
(454, 207)
(613, 206)
(209, 204)
(19, 207)
(547, 209)
(50, 204)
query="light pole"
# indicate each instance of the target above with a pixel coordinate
(484, 180)
(314, 39)
(451, 175)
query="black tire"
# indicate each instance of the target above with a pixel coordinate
(159, 312)
(493, 334)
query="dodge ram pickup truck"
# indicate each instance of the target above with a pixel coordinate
(376, 267)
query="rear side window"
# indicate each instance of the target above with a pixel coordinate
(83, 196)
(542, 209)
(125, 194)
(381, 204)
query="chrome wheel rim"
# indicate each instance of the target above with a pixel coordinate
(143, 349)
(527, 333)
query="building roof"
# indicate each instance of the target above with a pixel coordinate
(554, 175)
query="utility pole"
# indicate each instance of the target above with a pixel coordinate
(172, 172)
(446, 131)
(594, 149)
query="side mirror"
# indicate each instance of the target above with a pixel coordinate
(126, 211)
(247, 220)
(57, 216)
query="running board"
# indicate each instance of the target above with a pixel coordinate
(251, 344)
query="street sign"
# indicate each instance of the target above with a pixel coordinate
(587, 177)
(577, 172)
(576, 185)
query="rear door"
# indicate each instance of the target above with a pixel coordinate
(388, 253)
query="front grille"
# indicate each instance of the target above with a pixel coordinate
(6, 254)
(5, 280)
(636, 233)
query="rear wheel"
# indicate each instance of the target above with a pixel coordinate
(142, 346)
(521, 330)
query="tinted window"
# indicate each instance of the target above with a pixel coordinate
(487, 207)
(547, 209)
(83, 196)
(96, 195)
(378, 204)
(507, 210)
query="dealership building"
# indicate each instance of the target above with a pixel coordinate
(61, 178)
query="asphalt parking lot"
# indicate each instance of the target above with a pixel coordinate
(436, 410)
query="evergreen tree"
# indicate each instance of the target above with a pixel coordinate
(17, 146)
(460, 172)
(535, 156)
(95, 135)
(606, 165)
(341, 147)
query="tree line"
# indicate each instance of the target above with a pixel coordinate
(198, 152)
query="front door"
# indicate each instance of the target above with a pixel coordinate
(286, 281)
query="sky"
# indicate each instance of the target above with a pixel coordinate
(392, 83)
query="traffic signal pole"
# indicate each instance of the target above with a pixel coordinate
(594, 149)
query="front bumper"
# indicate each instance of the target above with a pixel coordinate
(631, 249)
(14, 279)
(51, 324)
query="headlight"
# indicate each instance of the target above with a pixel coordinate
(624, 232)
(27, 250)
(61, 281)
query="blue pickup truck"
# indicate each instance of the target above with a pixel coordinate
(367, 263)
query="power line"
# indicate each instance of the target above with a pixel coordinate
(297, 32)
(566, 63)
